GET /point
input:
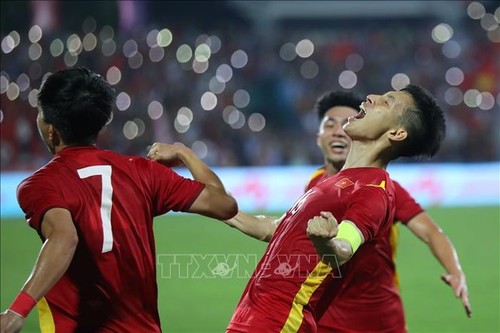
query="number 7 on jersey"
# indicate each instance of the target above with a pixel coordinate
(106, 201)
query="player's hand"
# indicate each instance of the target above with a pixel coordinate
(165, 154)
(459, 286)
(322, 228)
(10, 322)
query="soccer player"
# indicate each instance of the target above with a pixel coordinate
(291, 286)
(355, 311)
(94, 209)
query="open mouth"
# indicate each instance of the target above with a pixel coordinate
(361, 114)
(338, 145)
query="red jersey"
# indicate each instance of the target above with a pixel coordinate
(290, 281)
(110, 285)
(362, 305)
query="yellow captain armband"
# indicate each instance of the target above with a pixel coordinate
(348, 231)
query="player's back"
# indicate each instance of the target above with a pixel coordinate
(111, 282)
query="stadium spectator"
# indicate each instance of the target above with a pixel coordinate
(291, 287)
(280, 87)
(94, 209)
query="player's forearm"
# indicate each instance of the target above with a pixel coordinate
(200, 171)
(53, 261)
(335, 252)
(444, 252)
(259, 227)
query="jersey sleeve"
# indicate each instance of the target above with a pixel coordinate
(368, 208)
(406, 207)
(171, 190)
(36, 196)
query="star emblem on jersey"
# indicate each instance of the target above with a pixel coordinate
(343, 183)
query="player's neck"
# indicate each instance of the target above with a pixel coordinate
(333, 167)
(367, 154)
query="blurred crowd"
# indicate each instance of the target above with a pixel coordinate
(246, 99)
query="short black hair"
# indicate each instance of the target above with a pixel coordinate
(424, 122)
(78, 103)
(331, 99)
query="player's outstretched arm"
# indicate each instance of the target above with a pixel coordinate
(335, 243)
(214, 201)
(430, 233)
(257, 226)
(61, 240)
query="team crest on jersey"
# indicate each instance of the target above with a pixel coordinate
(344, 182)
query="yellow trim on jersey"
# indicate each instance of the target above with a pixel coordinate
(382, 185)
(45, 319)
(308, 287)
(315, 175)
(394, 240)
(348, 231)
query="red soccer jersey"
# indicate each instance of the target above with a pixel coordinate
(110, 285)
(358, 307)
(290, 280)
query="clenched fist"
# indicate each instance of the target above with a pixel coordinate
(165, 154)
(323, 227)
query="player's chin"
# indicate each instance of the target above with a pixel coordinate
(338, 157)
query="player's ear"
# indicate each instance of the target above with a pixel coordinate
(318, 142)
(398, 134)
(53, 136)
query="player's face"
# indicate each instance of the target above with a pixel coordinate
(43, 129)
(331, 138)
(378, 115)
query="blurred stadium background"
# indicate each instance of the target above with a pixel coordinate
(236, 81)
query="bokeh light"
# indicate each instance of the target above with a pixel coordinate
(476, 10)
(184, 53)
(35, 51)
(256, 122)
(123, 101)
(113, 75)
(156, 53)
(208, 101)
(239, 59)
(224, 73)
(309, 69)
(89, 42)
(287, 52)
(200, 149)
(487, 101)
(241, 98)
(348, 79)
(354, 62)
(35, 34)
(56, 47)
(164, 38)
(216, 86)
(442, 33)
(184, 116)
(454, 76)
(304, 48)
(472, 98)
(399, 81)
(453, 96)
(155, 110)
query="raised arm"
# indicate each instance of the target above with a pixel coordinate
(214, 201)
(61, 240)
(257, 226)
(430, 233)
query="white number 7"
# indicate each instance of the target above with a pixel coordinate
(106, 201)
